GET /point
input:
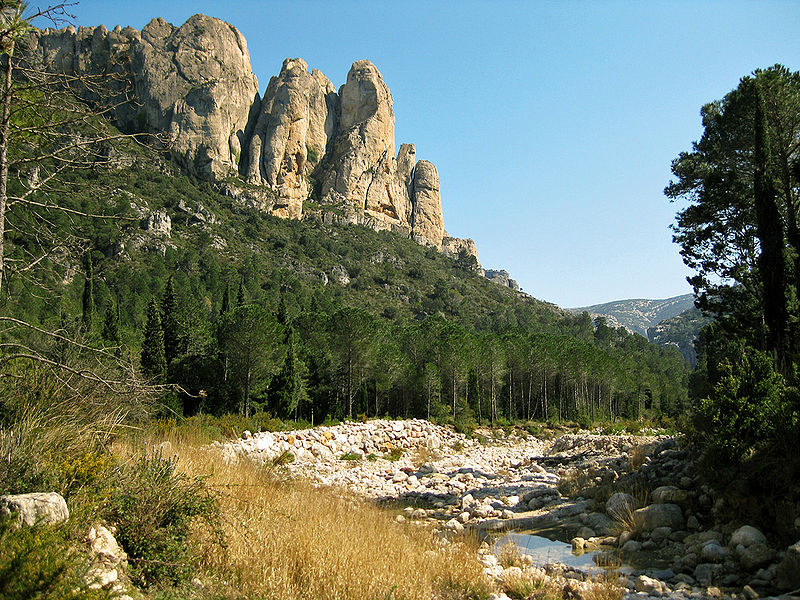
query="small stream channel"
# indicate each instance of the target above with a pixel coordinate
(549, 546)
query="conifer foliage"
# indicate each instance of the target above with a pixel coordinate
(154, 363)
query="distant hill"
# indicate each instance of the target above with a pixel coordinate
(638, 315)
(679, 331)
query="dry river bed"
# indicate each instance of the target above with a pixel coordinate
(661, 539)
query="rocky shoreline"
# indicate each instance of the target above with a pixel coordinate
(628, 500)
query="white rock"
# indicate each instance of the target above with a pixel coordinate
(35, 508)
(747, 536)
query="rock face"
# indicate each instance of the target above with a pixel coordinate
(453, 246)
(297, 118)
(427, 220)
(194, 85)
(38, 508)
(501, 277)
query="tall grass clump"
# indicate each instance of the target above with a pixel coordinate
(55, 431)
(292, 540)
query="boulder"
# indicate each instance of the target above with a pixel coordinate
(746, 536)
(619, 506)
(659, 515)
(754, 556)
(601, 524)
(37, 508)
(787, 575)
(648, 585)
(712, 552)
(668, 494)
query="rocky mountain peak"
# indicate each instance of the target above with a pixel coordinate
(301, 139)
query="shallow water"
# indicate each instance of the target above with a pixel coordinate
(544, 550)
(548, 547)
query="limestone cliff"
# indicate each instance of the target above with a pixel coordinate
(193, 83)
(296, 121)
(302, 140)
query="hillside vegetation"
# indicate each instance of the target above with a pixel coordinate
(306, 319)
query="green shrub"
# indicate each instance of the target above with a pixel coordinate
(153, 508)
(743, 413)
(394, 454)
(350, 456)
(42, 563)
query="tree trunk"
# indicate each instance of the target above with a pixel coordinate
(4, 128)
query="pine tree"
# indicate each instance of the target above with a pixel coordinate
(769, 228)
(171, 323)
(88, 294)
(153, 362)
(111, 323)
(226, 299)
(240, 295)
(290, 384)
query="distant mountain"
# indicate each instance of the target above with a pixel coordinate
(638, 315)
(679, 331)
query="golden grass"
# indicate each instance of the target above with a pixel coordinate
(290, 540)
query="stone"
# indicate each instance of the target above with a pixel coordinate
(712, 552)
(585, 533)
(601, 524)
(631, 546)
(454, 525)
(750, 593)
(747, 536)
(362, 170)
(659, 515)
(427, 221)
(501, 277)
(340, 275)
(452, 247)
(668, 494)
(37, 508)
(620, 505)
(157, 223)
(297, 118)
(754, 556)
(578, 543)
(787, 574)
(106, 557)
(706, 573)
(659, 534)
(648, 585)
(193, 83)
(104, 546)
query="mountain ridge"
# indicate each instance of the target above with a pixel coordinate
(637, 315)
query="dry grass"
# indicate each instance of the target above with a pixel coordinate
(638, 454)
(290, 540)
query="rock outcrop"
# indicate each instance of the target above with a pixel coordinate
(194, 85)
(453, 246)
(37, 508)
(427, 219)
(296, 121)
(501, 277)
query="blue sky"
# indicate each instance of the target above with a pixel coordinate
(552, 124)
